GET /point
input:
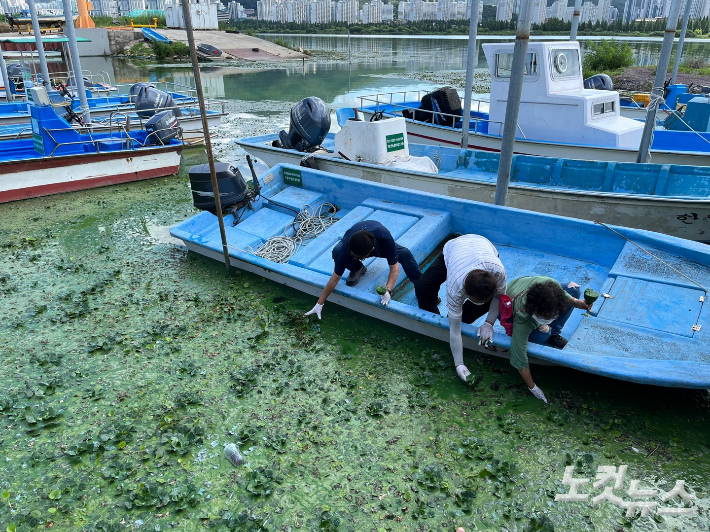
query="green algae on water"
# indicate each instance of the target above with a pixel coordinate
(130, 363)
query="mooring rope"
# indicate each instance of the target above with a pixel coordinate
(307, 224)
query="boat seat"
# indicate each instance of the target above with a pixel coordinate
(683, 180)
(204, 230)
(328, 238)
(396, 223)
(267, 222)
(632, 262)
(634, 178)
(111, 145)
(420, 230)
(296, 198)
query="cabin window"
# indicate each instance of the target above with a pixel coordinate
(565, 63)
(504, 65)
(602, 108)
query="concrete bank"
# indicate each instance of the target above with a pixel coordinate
(107, 41)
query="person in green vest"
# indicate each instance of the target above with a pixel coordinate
(541, 307)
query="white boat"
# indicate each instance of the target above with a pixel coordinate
(558, 116)
(669, 199)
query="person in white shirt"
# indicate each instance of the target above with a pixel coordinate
(475, 278)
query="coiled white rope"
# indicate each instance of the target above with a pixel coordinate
(308, 224)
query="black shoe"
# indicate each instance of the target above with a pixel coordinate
(556, 341)
(354, 277)
(438, 301)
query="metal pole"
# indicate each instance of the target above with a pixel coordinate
(679, 48)
(515, 91)
(575, 19)
(5, 78)
(40, 46)
(657, 93)
(76, 62)
(348, 45)
(205, 127)
(471, 60)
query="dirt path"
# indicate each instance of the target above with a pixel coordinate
(640, 79)
(238, 45)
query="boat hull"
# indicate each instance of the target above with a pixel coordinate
(659, 214)
(422, 133)
(53, 175)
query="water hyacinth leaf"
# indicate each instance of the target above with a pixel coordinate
(55, 494)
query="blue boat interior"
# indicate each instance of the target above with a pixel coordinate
(643, 333)
(663, 140)
(53, 136)
(681, 181)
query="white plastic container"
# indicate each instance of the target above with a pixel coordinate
(373, 142)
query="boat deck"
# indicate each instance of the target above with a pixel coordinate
(644, 333)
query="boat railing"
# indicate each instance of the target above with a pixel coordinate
(397, 108)
(125, 136)
(23, 130)
(390, 98)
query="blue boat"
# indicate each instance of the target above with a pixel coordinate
(669, 199)
(59, 158)
(653, 329)
(150, 34)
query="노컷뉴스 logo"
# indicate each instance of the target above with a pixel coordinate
(609, 478)
(395, 142)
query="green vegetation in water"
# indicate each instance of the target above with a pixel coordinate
(607, 56)
(130, 363)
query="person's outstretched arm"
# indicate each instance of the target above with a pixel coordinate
(327, 290)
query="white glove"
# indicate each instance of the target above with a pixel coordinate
(544, 328)
(463, 372)
(315, 310)
(385, 298)
(537, 392)
(485, 333)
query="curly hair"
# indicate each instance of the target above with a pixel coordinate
(547, 300)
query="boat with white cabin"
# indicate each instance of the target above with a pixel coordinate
(558, 117)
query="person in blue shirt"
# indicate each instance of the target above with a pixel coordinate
(363, 240)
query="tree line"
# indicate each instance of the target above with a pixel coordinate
(696, 28)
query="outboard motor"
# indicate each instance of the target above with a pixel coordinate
(233, 188)
(135, 89)
(14, 71)
(600, 82)
(162, 128)
(150, 100)
(310, 123)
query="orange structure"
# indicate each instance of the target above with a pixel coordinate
(83, 20)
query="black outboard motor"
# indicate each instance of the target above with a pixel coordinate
(162, 128)
(14, 71)
(600, 82)
(310, 123)
(232, 187)
(150, 100)
(135, 89)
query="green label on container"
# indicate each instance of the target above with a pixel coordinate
(292, 177)
(38, 143)
(395, 142)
